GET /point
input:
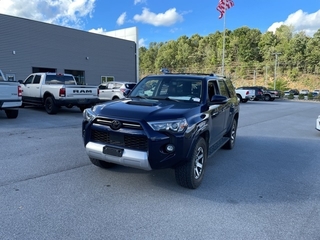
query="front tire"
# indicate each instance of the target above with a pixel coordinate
(190, 174)
(11, 113)
(116, 98)
(267, 97)
(49, 105)
(231, 135)
(101, 164)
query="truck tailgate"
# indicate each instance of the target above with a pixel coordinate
(84, 91)
(9, 91)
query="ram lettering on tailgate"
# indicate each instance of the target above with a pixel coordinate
(82, 91)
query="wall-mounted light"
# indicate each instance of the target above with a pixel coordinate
(87, 58)
(13, 52)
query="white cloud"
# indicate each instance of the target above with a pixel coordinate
(139, 1)
(301, 21)
(98, 31)
(60, 12)
(142, 42)
(121, 19)
(168, 18)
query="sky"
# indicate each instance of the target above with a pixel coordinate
(162, 21)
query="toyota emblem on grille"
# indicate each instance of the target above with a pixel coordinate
(115, 124)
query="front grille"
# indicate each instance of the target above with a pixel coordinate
(125, 124)
(121, 140)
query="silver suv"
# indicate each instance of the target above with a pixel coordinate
(114, 90)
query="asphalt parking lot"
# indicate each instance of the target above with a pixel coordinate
(267, 187)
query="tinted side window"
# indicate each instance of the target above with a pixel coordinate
(230, 88)
(213, 89)
(223, 89)
(29, 80)
(102, 87)
(36, 79)
(130, 85)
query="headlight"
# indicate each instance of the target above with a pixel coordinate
(178, 125)
(88, 115)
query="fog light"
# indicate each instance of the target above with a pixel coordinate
(170, 148)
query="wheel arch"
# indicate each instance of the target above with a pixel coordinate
(47, 94)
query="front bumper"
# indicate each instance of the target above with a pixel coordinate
(129, 158)
(77, 102)
(140, 148)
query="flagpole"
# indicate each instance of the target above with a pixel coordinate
(223, 42)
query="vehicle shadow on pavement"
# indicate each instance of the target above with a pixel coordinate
(257, 170)
(61, 109)
(263, 169)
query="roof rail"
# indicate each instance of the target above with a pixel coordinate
(191, 73)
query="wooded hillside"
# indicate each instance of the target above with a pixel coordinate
(250, 57)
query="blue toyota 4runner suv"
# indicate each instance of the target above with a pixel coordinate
(167, 121)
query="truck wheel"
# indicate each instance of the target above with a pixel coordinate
(115, 98)
(12, 113)
(231, 135)
(49, 105)
(239, 97)
(267, 97)
(101, 164)
(190, 174)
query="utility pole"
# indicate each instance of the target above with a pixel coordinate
(266, 77)
(275, 69)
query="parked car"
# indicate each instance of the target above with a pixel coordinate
(114, 90)
(291, 91)
(10, 96)
(318, 123)
(304, 91)
(54, 90)
(180, 123)
(259, 93)
(276, 93)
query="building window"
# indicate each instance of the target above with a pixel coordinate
(78, 75)
(41, 69)
(105, 79)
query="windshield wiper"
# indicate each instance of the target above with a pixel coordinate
(165, 98)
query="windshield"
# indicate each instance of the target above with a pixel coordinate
(170, 88)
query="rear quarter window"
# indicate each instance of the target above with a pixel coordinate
(129, 85)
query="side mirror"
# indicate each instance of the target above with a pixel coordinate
(20, 81)
(218, 99)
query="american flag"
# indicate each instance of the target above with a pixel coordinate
(223, 6)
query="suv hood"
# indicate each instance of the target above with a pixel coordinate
(146, 109)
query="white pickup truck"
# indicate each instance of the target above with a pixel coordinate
(244, 95)
(54, 90)
(10, 97)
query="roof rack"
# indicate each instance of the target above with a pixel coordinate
(167, 71)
